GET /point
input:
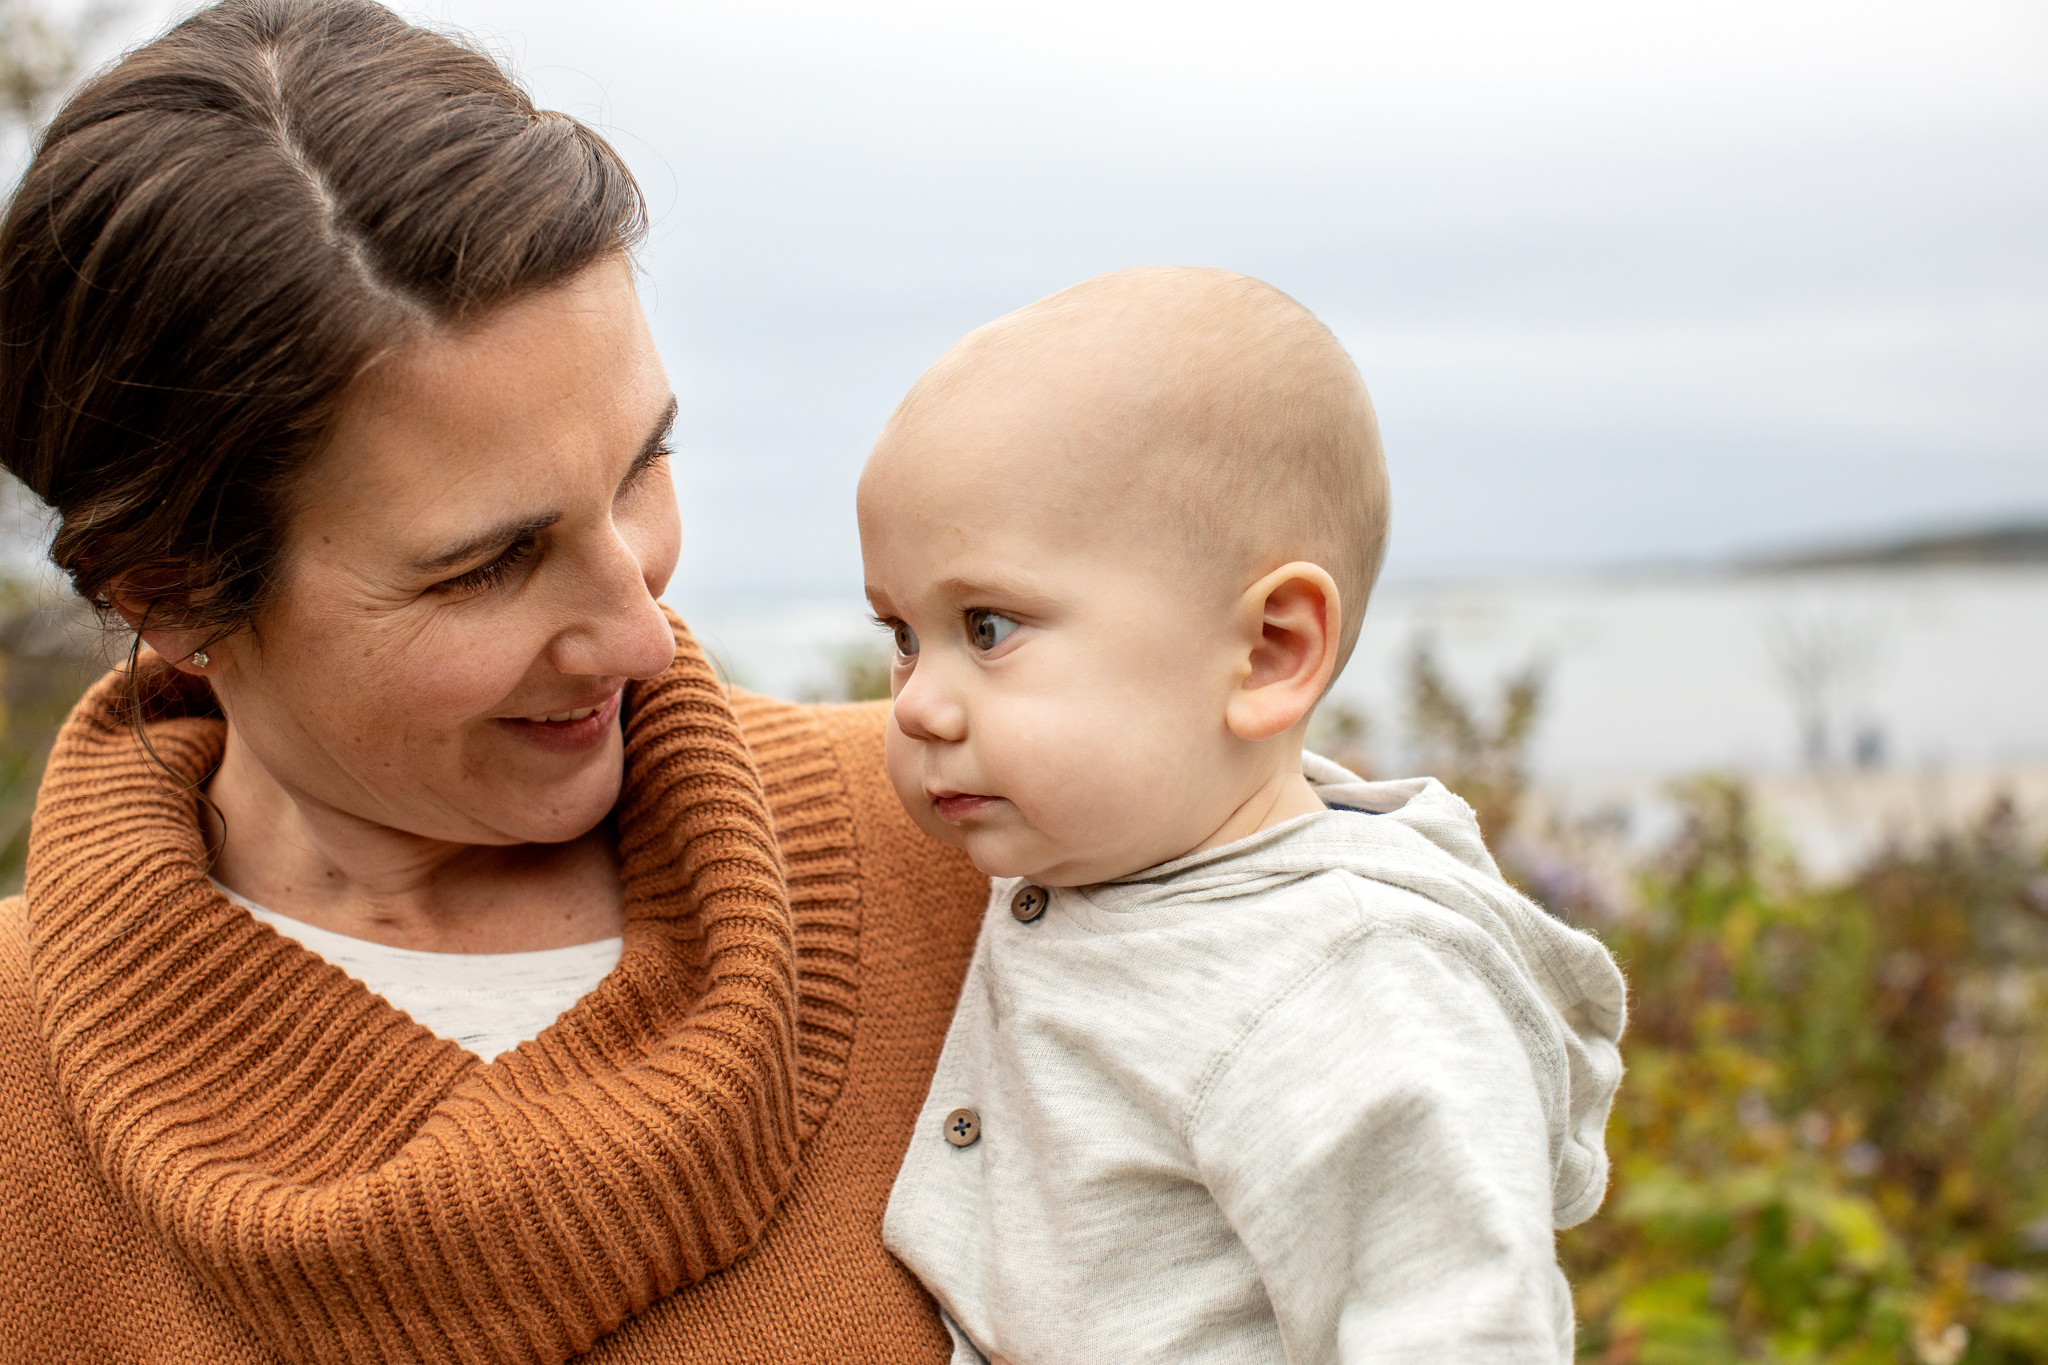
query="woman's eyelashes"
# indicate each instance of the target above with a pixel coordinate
(987, 629)
(637, 475)
(484, 577)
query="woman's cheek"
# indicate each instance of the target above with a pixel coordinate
(656, 531)
(467, 669)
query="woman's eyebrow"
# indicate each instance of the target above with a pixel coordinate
(496, 538)
(507, 532)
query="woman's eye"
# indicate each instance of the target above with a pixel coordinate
(486, 576)
(988, 629)
(906, 641)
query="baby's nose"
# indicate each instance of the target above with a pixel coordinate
(927, 710)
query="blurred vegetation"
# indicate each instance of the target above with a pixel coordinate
(51, 648)
(1831, 1146)
(1447, 735)
(859, 672)
(1342, 732)
(42, 50)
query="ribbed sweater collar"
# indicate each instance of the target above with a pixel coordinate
(360, 1190)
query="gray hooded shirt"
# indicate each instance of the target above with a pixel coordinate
(1319, 1095)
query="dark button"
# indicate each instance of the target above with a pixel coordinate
(963, 1126)
(1029, 902)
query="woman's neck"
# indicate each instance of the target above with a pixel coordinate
(338, 871)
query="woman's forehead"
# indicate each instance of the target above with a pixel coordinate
(572, 343)
(544, 396)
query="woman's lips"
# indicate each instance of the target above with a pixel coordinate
(582, 728)
(953, 807)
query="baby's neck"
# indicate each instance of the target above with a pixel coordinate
(1281, 797)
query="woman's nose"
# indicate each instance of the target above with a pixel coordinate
(928, 707)
(620, 629)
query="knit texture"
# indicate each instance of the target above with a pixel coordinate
(264, 1160)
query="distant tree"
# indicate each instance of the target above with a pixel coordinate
(1826, 664)
(1486, 762)
(1342, 733)
(49, 647)
(41, 53)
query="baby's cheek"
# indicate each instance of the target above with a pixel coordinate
(1144, 783)
(1074, 782)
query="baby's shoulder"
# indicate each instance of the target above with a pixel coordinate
(1367, 974)
(1346, 914)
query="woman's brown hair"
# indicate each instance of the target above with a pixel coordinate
(221, 231)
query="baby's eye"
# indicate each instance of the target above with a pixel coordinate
(906, 641)
(988, 629)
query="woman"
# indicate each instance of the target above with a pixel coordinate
(323, 346)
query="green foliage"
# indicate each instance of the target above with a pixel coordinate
(1831, 1146)
(1832, 1143)
(860, 672)
(49, 654)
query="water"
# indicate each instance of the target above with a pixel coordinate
(1644, 675)
(1754, 673)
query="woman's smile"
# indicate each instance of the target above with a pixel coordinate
(573, 731)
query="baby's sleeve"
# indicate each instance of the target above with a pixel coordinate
(1377, 1139)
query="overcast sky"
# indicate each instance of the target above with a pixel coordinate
(1628, 280)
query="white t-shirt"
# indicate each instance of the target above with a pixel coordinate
(1318, 1096)
(486, 1002)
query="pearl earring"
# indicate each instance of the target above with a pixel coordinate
(199, 659)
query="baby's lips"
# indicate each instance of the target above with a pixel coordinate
(953, 807)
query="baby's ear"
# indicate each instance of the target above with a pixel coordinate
(1292, 621)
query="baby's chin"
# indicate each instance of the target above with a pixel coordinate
(1001, 842)
(1002, 853)
(1035, 860)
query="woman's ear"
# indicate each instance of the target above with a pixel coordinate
(182, 649)
(1298, 617)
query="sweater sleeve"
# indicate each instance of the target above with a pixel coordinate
(1376, 1137)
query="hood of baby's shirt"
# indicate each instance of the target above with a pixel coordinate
(1417, 835)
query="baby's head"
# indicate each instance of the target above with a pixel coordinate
(1124, 537)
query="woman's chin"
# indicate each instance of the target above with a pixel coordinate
(555, 812)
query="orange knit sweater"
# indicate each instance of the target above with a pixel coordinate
(218, 1149)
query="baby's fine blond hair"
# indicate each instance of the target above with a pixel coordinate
(1241, 423)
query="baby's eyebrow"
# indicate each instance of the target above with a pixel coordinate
(964, 589)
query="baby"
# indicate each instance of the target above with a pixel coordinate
(1256, 1060)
